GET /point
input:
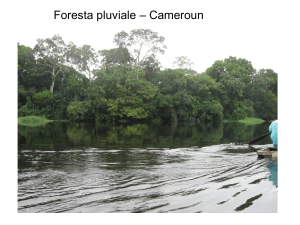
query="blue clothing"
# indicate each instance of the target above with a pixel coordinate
(274, 133)
(273, 166)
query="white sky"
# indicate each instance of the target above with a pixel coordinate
(264, 32)
(253, 30)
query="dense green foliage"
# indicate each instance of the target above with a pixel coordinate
(61, 81)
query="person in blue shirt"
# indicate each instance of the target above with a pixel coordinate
(273, 128)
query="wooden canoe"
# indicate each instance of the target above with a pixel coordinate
(268, 151)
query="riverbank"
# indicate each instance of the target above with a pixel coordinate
(38, 120)
(248, 121)
(33, 121)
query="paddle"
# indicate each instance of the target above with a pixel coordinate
(258, 139)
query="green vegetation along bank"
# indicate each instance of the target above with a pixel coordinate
(33, 121)
(247, 121)
(64, 81)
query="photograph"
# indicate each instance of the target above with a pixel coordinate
(152, 107)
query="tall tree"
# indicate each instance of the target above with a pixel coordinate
(26, 61)
(151, 66)
(84, 58)
(185, 65)
(115, 56)
(51, 54)
(183, 62)
(263, 94)
(26, 64)
(233, 76)
(141, 44)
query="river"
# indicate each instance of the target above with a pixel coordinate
(122, 168)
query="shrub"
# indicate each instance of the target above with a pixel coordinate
(42, 99)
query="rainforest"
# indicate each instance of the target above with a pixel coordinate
(63, 81)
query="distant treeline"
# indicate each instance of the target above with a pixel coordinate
(64, 81)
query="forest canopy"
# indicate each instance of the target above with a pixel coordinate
(64, 81)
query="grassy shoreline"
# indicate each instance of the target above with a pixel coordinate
(33, 121)
(38, 120)
(248, 121)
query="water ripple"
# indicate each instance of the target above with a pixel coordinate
(208, 179)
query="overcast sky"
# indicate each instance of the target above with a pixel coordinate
(254, 30)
